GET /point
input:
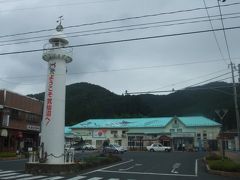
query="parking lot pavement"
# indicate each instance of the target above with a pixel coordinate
(158, 165)
(135, 166)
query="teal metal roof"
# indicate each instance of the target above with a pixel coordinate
(198, 121)
(67, 130)
(124, 123)
(144, 122)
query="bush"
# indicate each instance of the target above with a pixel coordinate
(7, 154)
(213, 156)
(224, 165)
(94, 161)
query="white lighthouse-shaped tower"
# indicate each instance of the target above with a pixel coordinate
(52, 129)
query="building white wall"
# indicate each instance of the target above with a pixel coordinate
(116, 135)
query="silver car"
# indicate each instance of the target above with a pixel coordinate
(113, 148)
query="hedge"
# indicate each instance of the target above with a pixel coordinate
(224, 165)
(7, 154)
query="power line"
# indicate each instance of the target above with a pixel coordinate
(210, 79)
(149, 15)
(173, 90)
(120, 19)
(116, 70)
(214, 34)
(224, 33)
(189, 80)
(188, 88)
(121, 30)
(58, 5)
(124, 40)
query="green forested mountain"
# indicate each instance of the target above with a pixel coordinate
(84, 101)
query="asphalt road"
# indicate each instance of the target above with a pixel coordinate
(157, 166)
(135, 166)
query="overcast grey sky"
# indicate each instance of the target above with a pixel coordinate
(153, 64)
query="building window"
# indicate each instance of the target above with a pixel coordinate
(172, 130)
(139, 140)
(175, 124)
(114, 133)
(179, 130)
(205, 136)
(131, 141)
(124, 134)
(198, 136)
(14, 114)
(30, 117)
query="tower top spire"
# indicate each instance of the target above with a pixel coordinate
(59, 27)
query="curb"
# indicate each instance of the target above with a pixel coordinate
(220, 173)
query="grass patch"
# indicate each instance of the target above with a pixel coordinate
(7, 154)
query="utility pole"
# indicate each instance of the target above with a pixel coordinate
(235, 102)
(221, 114)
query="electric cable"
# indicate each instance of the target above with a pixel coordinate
(182, 89)
(107, 32)
(122, 40)
(188, 80)
(120, 19)
(224, 32)
(106, 71)
(214, 34)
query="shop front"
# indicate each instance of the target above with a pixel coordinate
(183, 141)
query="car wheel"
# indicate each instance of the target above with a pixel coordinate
(151, 150)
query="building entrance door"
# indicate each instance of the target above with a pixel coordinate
(183, 143)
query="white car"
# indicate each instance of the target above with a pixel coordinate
(88, 146)
(158, 147)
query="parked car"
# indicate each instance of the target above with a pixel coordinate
(158, 147)
(75, 146)
(88, 146)
(114, 148)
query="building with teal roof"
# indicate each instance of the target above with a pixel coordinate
(193, 131)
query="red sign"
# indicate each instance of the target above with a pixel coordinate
(49, 94)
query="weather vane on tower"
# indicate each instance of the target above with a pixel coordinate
(59, 27)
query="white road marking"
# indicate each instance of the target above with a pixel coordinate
(17, 176)
(3, 172)
(175, 166)
(126, 168)
(8, 174)
(95, 178)
(108, 167)
(77, 178)
(138, 164)
(53, 178)
(196, 167)
(30, 178)
(113, 179)
(149, 173)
